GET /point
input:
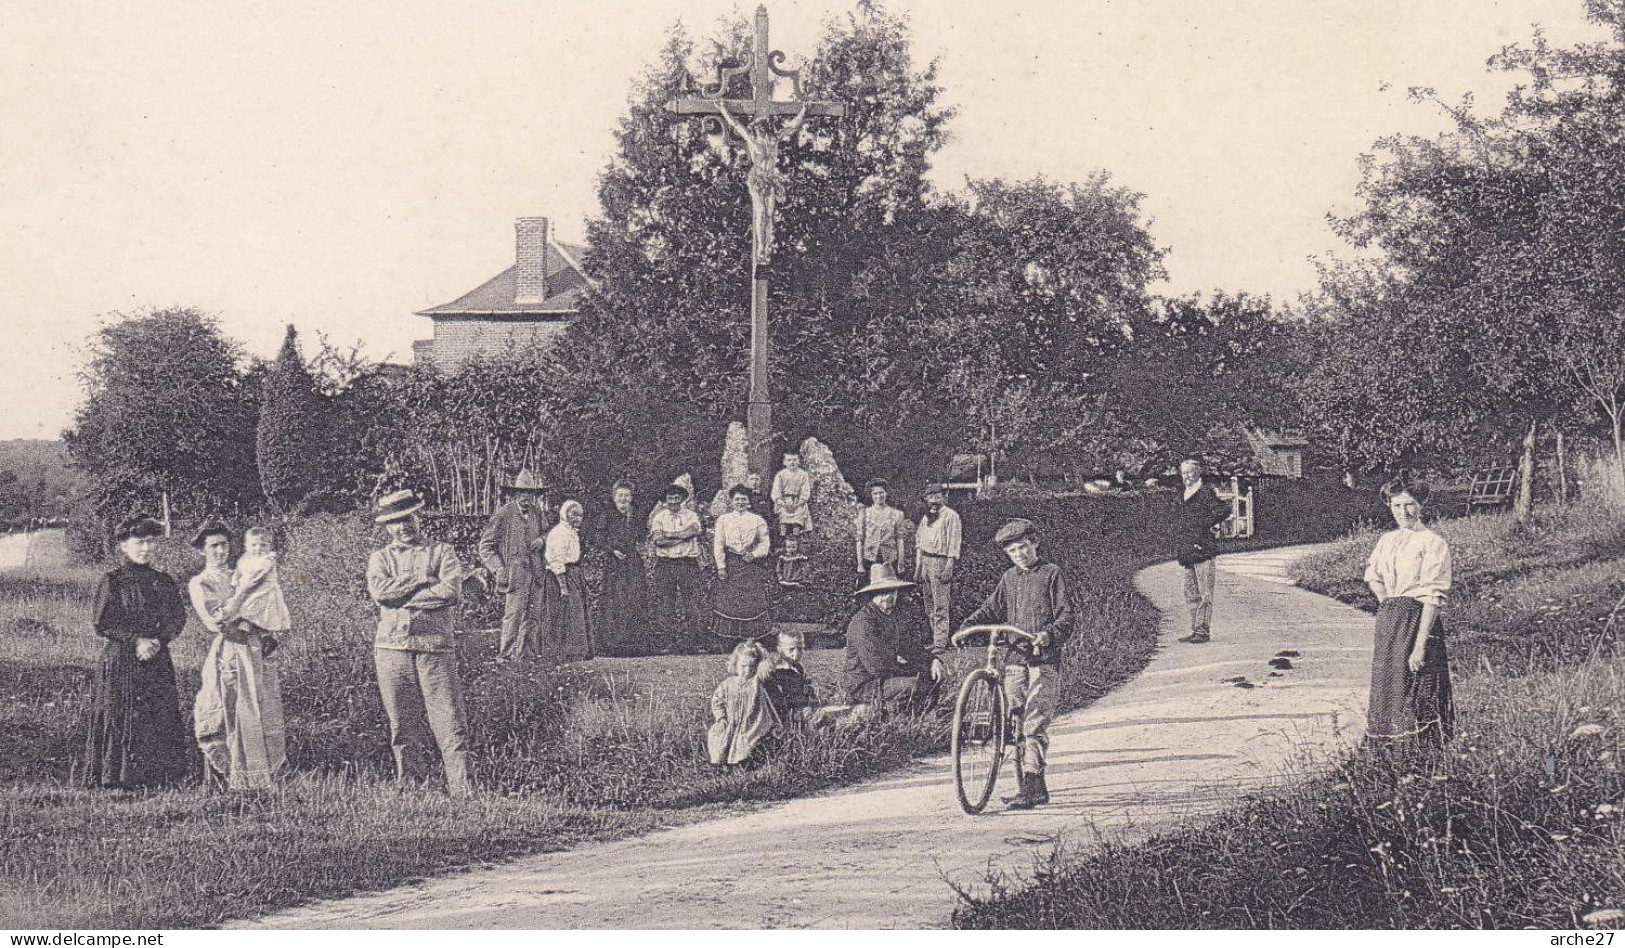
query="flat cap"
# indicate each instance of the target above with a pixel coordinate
(1014, 530)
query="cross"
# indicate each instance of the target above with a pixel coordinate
(749, 119)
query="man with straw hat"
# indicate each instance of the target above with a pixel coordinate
(416, 582)
(504, 549)
(886, 664)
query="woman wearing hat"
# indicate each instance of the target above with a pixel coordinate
(136, 737)
(740, 545)
(563, 623)
(237, 717)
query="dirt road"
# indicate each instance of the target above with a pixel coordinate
(1200, 725)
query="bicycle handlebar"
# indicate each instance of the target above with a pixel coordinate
(1009, 631)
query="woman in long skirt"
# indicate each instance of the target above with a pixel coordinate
(741, 545)
(237, 717)
(563, 623)
(624, 612)
(136, 737)
(1409, 572)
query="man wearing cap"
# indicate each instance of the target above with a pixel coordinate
(1032, 595)
(936, 554)
(504, 549)
(1200, 510)
(886, 664)
(415, 583)
(674, 530)
(879, 531)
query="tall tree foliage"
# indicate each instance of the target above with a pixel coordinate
(1494, 240)
(292, 434)
(167, 410)
(881, 289)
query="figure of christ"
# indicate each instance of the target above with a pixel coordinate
(765, 182)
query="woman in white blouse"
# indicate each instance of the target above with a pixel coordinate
(563, 622)
(741, 544)
(1409, 572)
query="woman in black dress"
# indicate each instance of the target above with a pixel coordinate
(624, 611)
(137, 737)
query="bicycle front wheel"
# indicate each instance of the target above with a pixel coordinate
(978, 739)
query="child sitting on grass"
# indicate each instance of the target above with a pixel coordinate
(741, 713)
(256, 602)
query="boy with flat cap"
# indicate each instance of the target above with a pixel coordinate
(1032, 595)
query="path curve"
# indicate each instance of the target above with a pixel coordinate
(1180, 739)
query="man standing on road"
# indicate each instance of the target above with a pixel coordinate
(936, 555)
(675, 531)
(1032, 595)
(1200, 510)
(504, 549)
(415, 583)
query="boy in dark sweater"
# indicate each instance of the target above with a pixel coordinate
(1032, 595)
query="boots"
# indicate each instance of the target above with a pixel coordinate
(1030, 792)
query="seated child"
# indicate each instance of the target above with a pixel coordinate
(793, 694)
(256, 602)
(741, 713)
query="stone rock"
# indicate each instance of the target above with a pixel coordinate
(834, 503)
(735, 467)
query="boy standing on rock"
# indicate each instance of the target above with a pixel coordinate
(1032, 595)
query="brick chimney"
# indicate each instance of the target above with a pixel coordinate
(530, 259)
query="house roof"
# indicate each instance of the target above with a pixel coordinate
(495, 297)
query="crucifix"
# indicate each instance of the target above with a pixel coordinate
(752, 120)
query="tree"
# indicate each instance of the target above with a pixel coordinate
(1593, 349)
(459, 435)
(1485, 232)
(166, 410)
(291, 438)
(882, 289)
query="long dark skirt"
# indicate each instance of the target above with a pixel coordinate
(1407, 705)
(562, 625)
(741, 599)
(624, 612)
(136, 737)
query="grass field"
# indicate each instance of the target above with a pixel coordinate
(1517, 824)
(604, 749)
(592, 751)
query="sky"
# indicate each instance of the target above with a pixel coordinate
(341, 165)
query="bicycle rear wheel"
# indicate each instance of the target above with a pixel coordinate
(978, 739)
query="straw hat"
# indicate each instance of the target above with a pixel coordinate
(882, 579)
(526, 481)
(397, 505)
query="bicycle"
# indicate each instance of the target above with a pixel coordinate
(982, 729)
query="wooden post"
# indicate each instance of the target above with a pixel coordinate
(167, 530)
(1562, 470)
(1524, 502)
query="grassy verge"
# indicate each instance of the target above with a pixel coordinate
(1517, 824)
(600, 750)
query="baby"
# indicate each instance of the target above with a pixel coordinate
(256, 602)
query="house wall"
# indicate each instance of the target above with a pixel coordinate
(458, 340)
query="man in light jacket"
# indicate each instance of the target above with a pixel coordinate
(416, 582)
